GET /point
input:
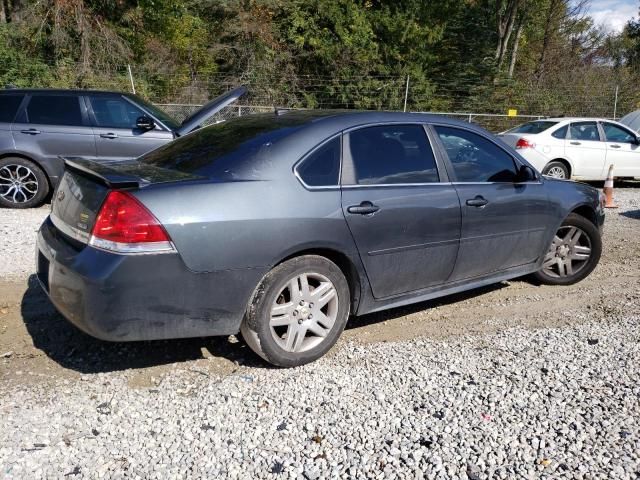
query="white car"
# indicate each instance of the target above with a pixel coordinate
(577, 148)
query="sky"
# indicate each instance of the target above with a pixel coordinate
(614, 14)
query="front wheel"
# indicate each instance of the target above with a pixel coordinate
(574, 252)
(298, 311)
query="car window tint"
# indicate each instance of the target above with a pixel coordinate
(114, 112)
(587, 131)
(54, 110)
(476, 159)
(392, 154)
(533, 127)
(561, 133)
(322, 167)
(614, 133)
(9, 107)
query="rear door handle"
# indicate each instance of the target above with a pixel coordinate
(479, 201)
(108, 135)
(365, 208)
(31, 131)
(615, 146)
(576, 143)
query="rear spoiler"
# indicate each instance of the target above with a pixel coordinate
(104, 173)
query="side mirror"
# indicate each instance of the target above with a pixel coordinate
(526, 174)
(145, 123)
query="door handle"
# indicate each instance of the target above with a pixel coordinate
(479, 201)
(365, 208)
(615, 146)
(576, 143)
(31, 131)
(108, 135)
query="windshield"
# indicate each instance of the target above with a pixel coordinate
(235, 149)
(161, 115)
(533, 127)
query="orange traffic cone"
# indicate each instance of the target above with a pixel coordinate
(608, 190)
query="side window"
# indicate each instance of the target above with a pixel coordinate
(114, 112)
(392, 154)
(476, 159)
(561, 133)
(586, 131)
(9, 107)
(614, 133)
(54, 110)
(322, 167)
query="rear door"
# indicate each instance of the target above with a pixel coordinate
(623, 151)
(586, 150)
(504, 223)
(9, 105)
(53, 125)
(117, 137)
(402, 212)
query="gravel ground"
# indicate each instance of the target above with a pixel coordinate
(514, 381)
(18, 230)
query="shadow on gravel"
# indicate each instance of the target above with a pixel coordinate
(635, 214)
(75, 350)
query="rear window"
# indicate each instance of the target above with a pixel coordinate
(9, 107)
(231, 150)
(533, 127)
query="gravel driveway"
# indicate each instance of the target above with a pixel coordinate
(512, 381)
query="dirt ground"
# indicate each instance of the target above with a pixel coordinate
(38, 345)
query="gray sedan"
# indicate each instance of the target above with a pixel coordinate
(283, 225)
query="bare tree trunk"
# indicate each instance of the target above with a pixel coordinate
(514, 49)
(506, 21)
(5, 11)
(546, 41)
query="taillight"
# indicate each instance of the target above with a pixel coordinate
(124, 225)
(524, 143)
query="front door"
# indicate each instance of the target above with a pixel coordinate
(404, 220)
(117, 136)
(623, 151)
(504, 223)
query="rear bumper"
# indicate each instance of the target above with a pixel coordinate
(139, 297)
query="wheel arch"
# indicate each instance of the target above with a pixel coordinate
(586, 211)
(344, 263)
(30, 159)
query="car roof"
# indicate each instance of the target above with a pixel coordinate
(10, 91)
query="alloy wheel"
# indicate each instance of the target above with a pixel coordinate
(18, 183)
(556, 172)
(568, 254)
(304, 312)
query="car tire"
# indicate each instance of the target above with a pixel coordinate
(23, 184)
(578, 243)
(279, 323)
(556, 169)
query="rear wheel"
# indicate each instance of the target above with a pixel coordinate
(556, 169)
(23, 184)
(574, 252)
(298, 311)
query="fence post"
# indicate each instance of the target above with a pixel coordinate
(615, 104)
(406, 94)
(133, 86)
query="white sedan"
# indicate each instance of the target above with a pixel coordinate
(577, 148)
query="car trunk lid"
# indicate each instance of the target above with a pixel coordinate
(86, 183)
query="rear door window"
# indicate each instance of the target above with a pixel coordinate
(9, 105)
(322, 167)
(114, 112)
(55, 110)
(392, 154)
(585, 131)
(474, 158)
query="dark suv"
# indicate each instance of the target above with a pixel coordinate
(37, 127)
